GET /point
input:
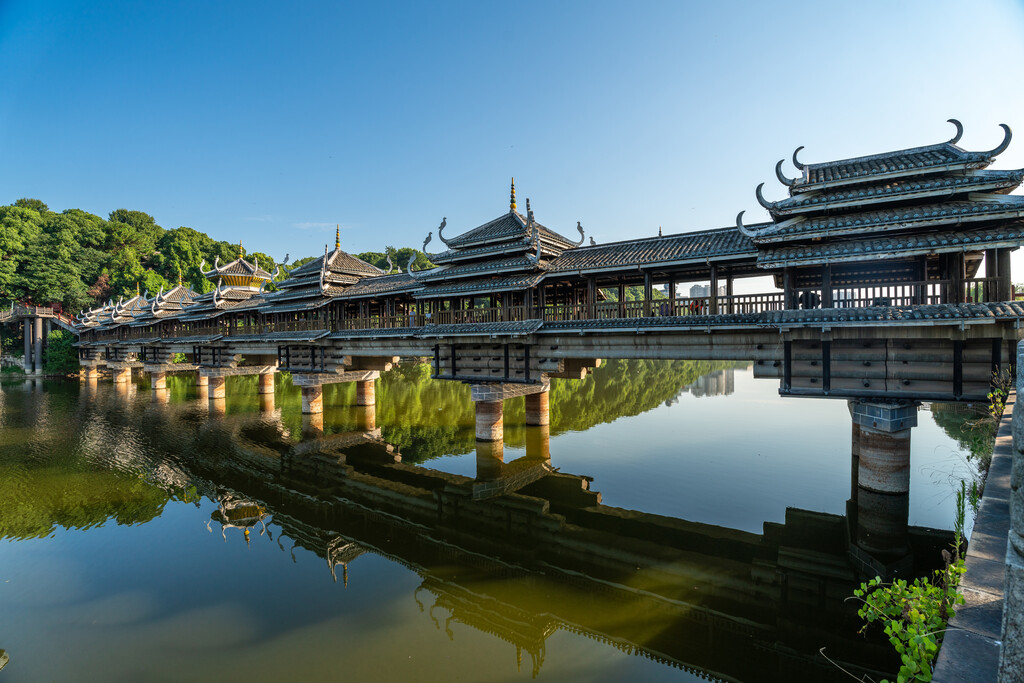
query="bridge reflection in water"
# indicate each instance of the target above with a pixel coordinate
(521, 550)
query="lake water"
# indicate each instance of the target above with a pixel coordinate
(147, 536)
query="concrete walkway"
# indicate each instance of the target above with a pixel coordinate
(970, 650)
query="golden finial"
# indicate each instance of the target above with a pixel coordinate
(241, 250)
(337, 236)
(137, 292)
(179, 278)
(512, 201)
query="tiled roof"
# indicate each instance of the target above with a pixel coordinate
(498, 249)
(481, 285)
(897, 190)
(977, 207)
(378, 286)
(507, 227)
(907, 162)
(1007, 235)
(338, 261)
(239, 267)
(513, 263)
(480, 329)
(690, 246)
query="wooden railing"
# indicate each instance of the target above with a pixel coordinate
(901, 294)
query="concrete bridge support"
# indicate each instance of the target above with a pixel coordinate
(122, 375)
(202, 380)
(158, 381)
(881, 460)
(267, 383)
(267, 403)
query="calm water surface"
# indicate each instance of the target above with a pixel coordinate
(148, 537)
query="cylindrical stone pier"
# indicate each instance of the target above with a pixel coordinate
(217, 388)
(881, 454)
(27, 332)
(158, 381)
(490, 457)
(37, 338)
(267, 383)
(202, 380)
(267, 403)
(312, 399)
(365, 393)
(537, 409)
(489, 424)
(122, 375)
(204, 392)
(366, 417)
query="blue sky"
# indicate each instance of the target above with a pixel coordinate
(271, 122)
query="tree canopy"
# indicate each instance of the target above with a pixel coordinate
(79, 260)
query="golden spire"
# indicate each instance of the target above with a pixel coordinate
(512, 201)
(241, 250)
(137, 288)
(337, 236)
(179, 277)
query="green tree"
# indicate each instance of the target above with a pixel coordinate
(61, 357)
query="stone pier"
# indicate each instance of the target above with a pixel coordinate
(202, 380)
(312, 386)
(365, 393)
(122, 375)
(489, 399)
(267, 383)
(158, 381)
(267, 403)
(537, 408)
(37, 340)
(217, 387)
(312, 399)
(881, 456)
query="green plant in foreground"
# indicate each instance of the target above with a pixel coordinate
(914, 615)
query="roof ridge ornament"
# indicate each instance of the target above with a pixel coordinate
(959, 131)
(1004, 144)
(512, 198)
(391, 266)
(582, 236)
(337, 236)
(592, 242)
(761, 200)
(444, 222)
(415, 275)
(323, 272)
(742, 228)
(797, 162)
(788, 182)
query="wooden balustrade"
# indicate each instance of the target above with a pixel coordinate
(899, 294)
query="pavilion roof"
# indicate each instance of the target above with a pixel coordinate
(977, 207)
(905, 163)
(892, 246)
(483, 285)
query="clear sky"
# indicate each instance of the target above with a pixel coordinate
(270, 122)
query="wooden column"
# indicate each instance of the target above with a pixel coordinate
(713, 294)
(787, 288)
(1005, 289)
(648, 293)
(591, 297)
(826, 286)
(728, 292)
(957, 264)
(622, 300)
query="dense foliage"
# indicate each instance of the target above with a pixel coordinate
(61, 358)
(78, 259)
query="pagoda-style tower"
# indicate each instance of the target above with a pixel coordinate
(508, 254)
(920, 220)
